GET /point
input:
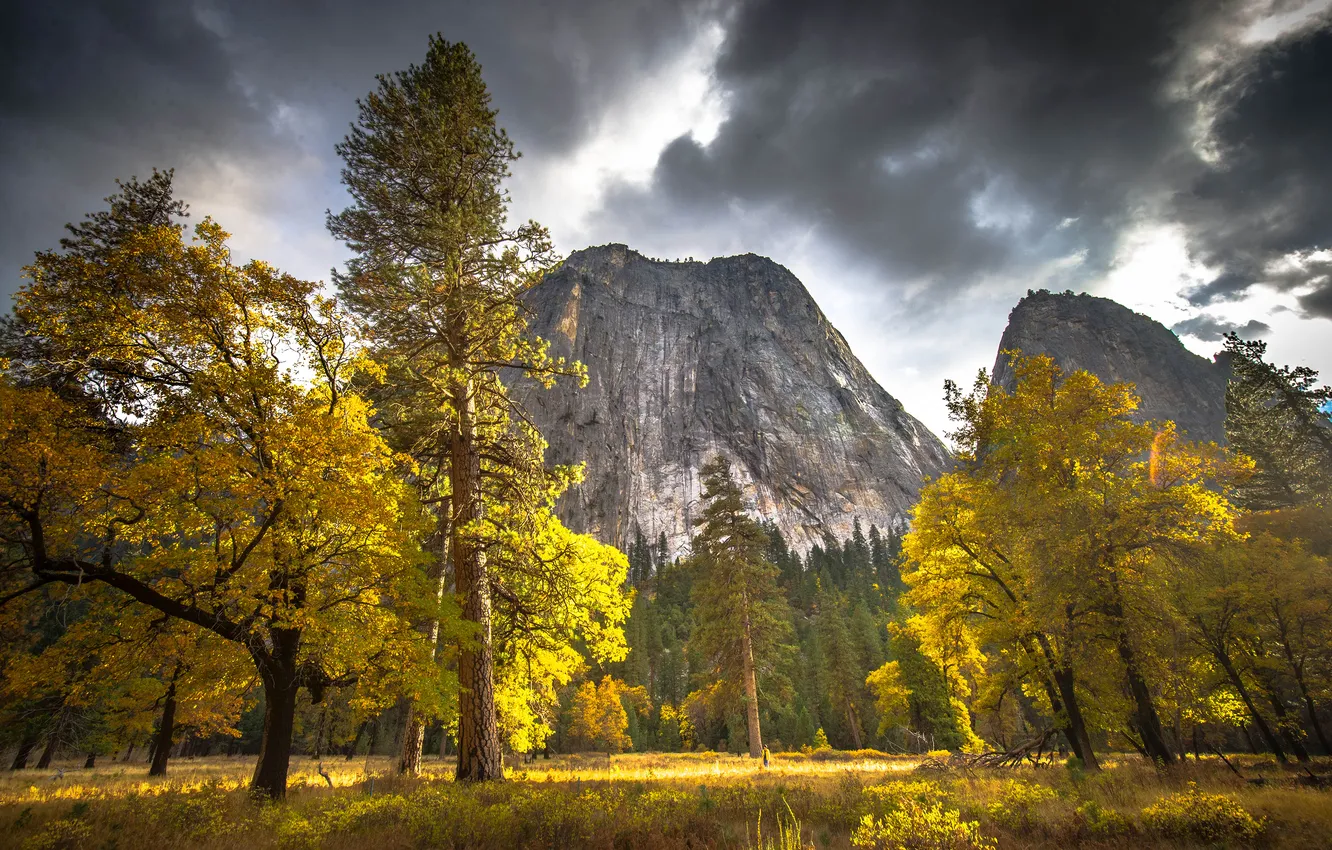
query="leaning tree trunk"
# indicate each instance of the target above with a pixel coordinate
(26, 746)
(165, 731)
(751, 692)
(1061, 688)
(479, 755)
(277, 671)
(1145, 718)
(53, 739)
(1269, 737)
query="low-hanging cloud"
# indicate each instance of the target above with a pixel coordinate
(1212, 329)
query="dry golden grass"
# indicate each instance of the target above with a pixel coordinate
(638, 800)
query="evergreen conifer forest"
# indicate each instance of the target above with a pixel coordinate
(284, 566)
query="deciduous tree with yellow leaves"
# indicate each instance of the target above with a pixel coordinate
(182, 429)
(1046, 544)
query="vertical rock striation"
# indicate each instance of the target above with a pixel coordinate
(1116, 344)
(686, 360)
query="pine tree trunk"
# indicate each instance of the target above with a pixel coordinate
(479, 755)
(165, 730)
(751, 694)
(854, 722)
(26, 746)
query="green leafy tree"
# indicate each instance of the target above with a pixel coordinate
(438, 277)
(1279, 417)
(743, 619)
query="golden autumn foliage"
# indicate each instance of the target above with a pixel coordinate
(599, 717)
(208, 459)
(1042, 557)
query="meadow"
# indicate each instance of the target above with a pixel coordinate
(702, 800)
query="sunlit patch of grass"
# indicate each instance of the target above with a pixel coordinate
(644, 801)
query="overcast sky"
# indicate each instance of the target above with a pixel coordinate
(919, 165)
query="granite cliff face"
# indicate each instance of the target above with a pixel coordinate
(687, 360)
(1116, 344)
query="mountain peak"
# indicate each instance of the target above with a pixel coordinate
(1115, 343)
(732, 356)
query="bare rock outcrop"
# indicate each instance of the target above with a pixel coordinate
(732, 356)
(1116, 344)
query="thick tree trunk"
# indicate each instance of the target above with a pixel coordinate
(1064, 703)
(279, 674)
(48, 752)
(90, 762)
(270, 774)
(479, 754)
(53, 740)
(1297, 670)
(165, 730)
(1079, 740)
(1314, 721)
(751, 693)
(1292, 742)
(26, 746)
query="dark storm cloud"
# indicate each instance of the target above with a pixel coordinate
(1272, 194)
(952, 140)
(1211, 329)
(91, 91)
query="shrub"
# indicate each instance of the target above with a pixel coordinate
(1099, 821)
(1015, 808)
(1199, 816)
(917, 827)
(61, 835)
(893, 795)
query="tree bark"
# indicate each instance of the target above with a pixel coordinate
(1264, 729)
(1079, 740)
(26, 746)
(1145, 718)
(1064, 703)
(270, 774)
(853, 721)
(413, 731)
(280, 677)
(356, 739)
(53, 739)
(479, 754)
(165, 730)
(751, 692)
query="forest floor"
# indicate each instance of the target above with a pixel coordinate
(671, 800)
